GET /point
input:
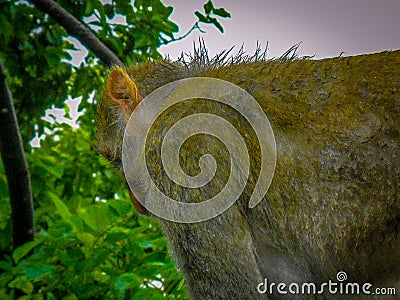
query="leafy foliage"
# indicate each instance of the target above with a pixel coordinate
(86, 246)
(208, 18)
(90, 243)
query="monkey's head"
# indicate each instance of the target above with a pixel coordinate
(120, 98)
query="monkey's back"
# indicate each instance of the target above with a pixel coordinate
(336, 190)
(334, 202)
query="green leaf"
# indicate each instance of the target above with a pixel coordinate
(101, 277)
(61, 207)
(77, 223)
(208, 7)
(201, 17)
(98, 217)
(52, 56)
(126, 281)
(115, 237)
(221, 12)
(22, 283)
(24, 249)
(38, 271)
(155, 259)
(172, 26)
(47, 163)
(109, 10)
(70, 297)
(146, 244)
(217, 24)
(121, 207)
(99, 6)
(124, 7)
(5, 265)
(86, 238)
(89, 7)
(142, 41)
(159, 8)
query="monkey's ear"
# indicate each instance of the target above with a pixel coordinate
(121, 90)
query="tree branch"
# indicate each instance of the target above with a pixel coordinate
(194, 27)
(16, 167)
(78, 30)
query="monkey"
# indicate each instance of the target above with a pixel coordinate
(333, 206)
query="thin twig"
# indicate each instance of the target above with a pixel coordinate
(194, 27)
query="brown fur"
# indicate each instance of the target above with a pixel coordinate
(334, 203)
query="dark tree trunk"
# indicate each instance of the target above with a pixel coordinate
(16, 167)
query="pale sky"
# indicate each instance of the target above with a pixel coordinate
(325, 27)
